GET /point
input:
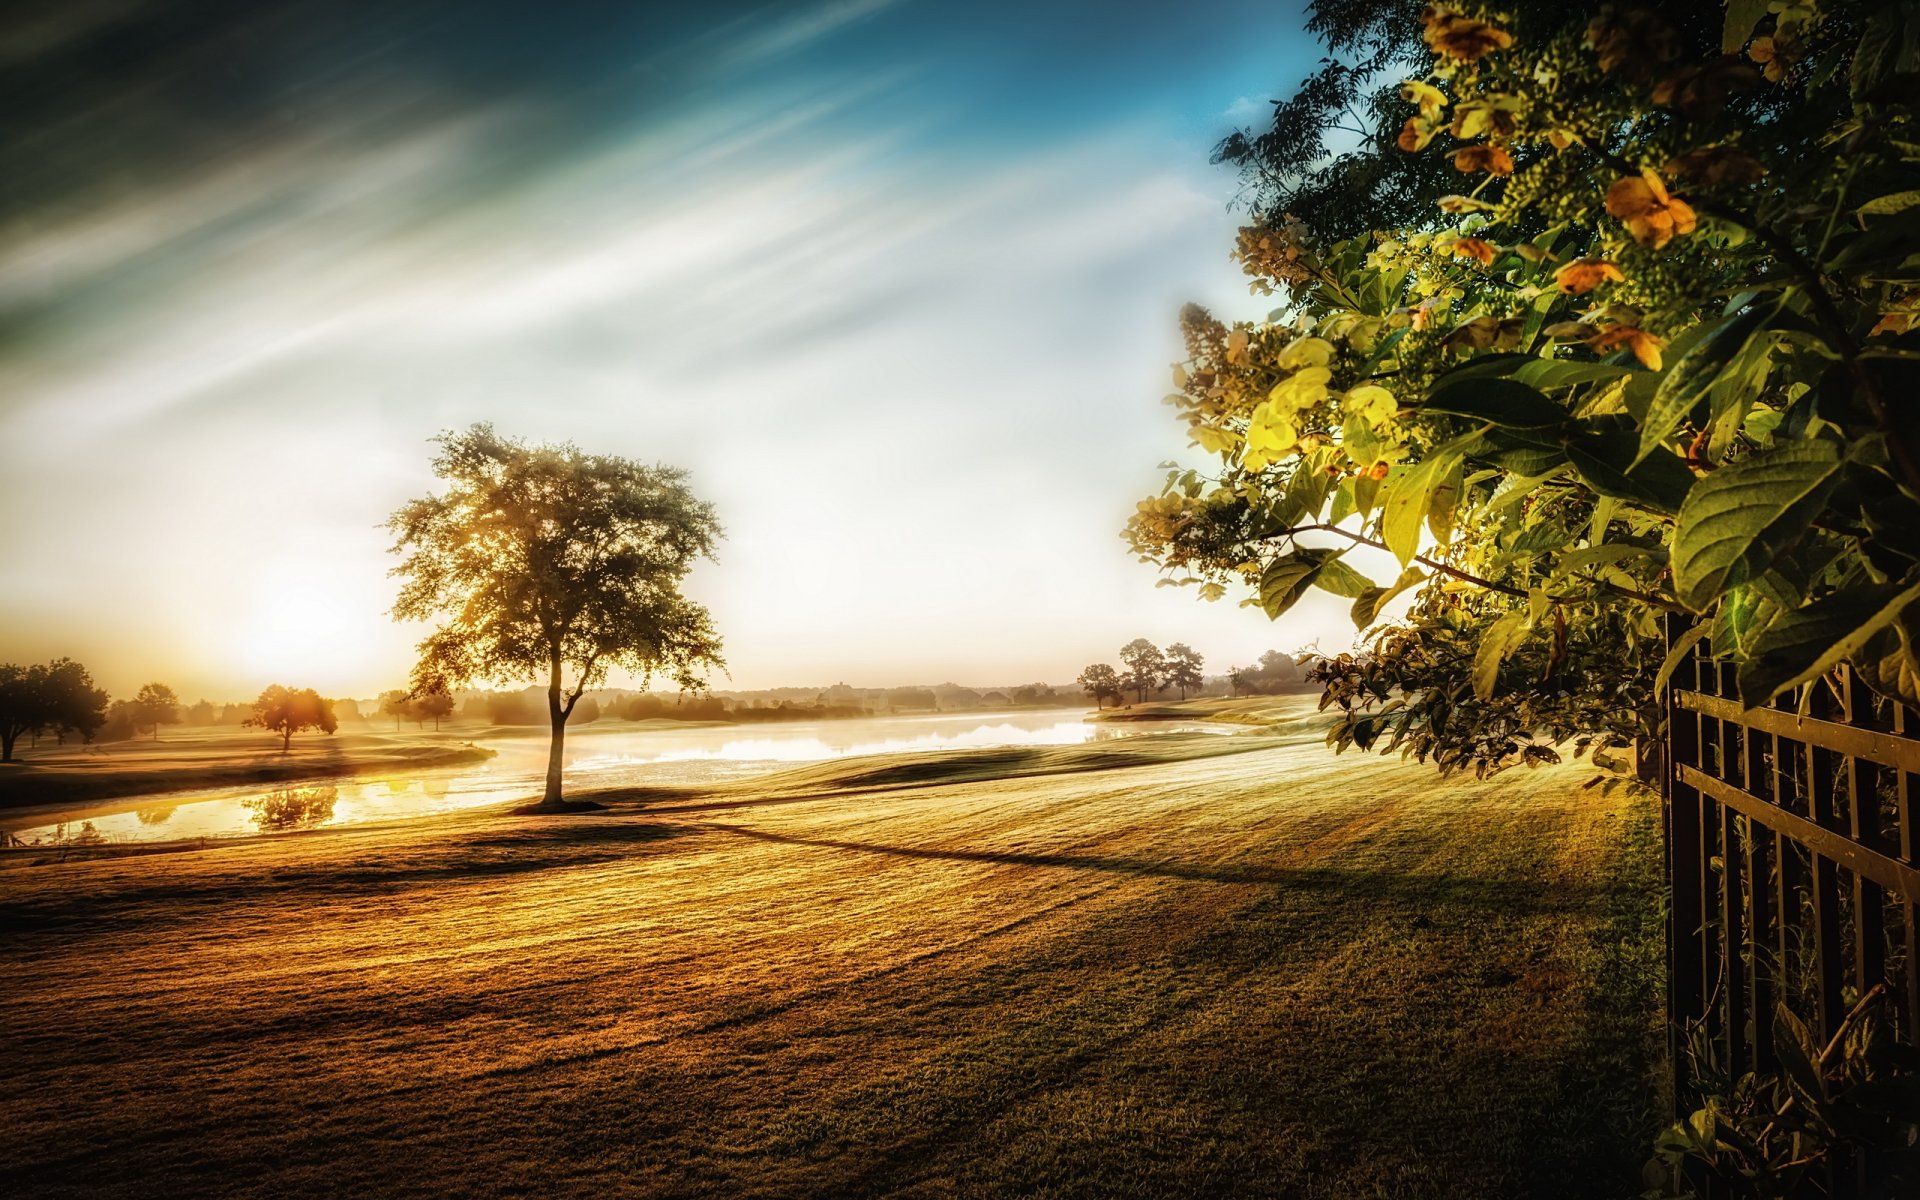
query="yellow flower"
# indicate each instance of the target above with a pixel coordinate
(1459, 37)
(1649, 213)
(1497, 115)
(1301, 390)
(1582, 275)
(1461, 204)
(1305, 352)
(1430, 99)
(1494, 160)
(1271, 434)
(1372, 403)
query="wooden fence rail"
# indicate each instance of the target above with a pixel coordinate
(1791, 861)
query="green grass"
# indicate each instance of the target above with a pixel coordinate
(1181, 971)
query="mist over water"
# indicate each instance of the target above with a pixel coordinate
(595, 759)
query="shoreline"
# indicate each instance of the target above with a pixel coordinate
(26, 786)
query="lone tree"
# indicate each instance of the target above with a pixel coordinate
(1183, 668)
(396, 703)
(1146, 668)
(1102, 683)
(432, 702)
(156, 705)
(56, 696)
(540, 560)
(285, 711)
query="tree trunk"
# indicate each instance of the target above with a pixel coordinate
(6, 744)
(558, 716)
(286, 739)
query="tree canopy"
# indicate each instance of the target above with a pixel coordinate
(542, 560)
(1631, 333)
(54, 696)
(287, 711)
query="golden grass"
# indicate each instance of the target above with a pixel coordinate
(1258, 973)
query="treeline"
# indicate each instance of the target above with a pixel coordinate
(58, 700)
(1146, 670)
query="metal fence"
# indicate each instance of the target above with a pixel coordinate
(1791, 860)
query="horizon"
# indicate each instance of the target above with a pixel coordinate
(936, 290)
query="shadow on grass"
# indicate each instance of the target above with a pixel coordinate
(1476, 892)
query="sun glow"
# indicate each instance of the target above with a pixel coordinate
(301, 624)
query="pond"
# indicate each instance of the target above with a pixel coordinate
(598, 756)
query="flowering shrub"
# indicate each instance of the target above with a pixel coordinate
(1653, 351)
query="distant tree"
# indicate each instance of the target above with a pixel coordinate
(1101, 682)
(587, 711)
(396, 703)
(202, 712)
(995, 700)
(432, 702)
(1183, 669)
(347, 711)
(53, 697)
(912, 698)
(1033, 693)
(542, 559)
(287, 711)
(1146, 668)
(156, 705)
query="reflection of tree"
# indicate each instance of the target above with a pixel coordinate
(154, 816)
(293, 808)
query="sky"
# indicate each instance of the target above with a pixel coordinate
(896, 281)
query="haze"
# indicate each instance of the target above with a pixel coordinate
(897, 283)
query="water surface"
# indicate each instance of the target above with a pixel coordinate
(598, 756)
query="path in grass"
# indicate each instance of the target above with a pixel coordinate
(1271, 973)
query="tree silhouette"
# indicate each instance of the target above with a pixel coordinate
(57, 696)
(1146, 667)
(1183, 668)
(432, 703)
(1101, 682)
(287, 711)
(545, 559)
(156, 705)
(396, 703)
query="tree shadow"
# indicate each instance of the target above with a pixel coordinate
(1472, 891)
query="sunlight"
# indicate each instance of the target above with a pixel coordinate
(299, 620)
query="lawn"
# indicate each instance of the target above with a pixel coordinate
(1160, 970)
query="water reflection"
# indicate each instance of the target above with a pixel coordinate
(293, 808)
(702, 756)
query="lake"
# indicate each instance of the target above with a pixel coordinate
(598, 756)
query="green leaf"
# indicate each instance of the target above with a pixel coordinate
(1808, 642)
(1682, 646)
(1799, 1057)
(1366, 609)
(1687, 380)
(1501, 402)
(1891, 662)
(1410, 496)
(1737, 520)
(1284, 581)
(1501, 639)
(1886, 206)
(1342, 580)
(1742, 16)
(1604, 461)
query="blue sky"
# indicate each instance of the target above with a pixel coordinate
(896, 281)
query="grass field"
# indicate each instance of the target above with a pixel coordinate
(1158, 969)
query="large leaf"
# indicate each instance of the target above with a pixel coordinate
(1366, 608)
(1342, 580)
(1686, 381)
(1677, 654)
(1604, 461)
(1286, 579)
(1504, 403)
(1739, 519)
(1501, 639)
(1411, 495)
(1808, 642)
(1742, 16)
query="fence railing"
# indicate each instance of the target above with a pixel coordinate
(1791, 860)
